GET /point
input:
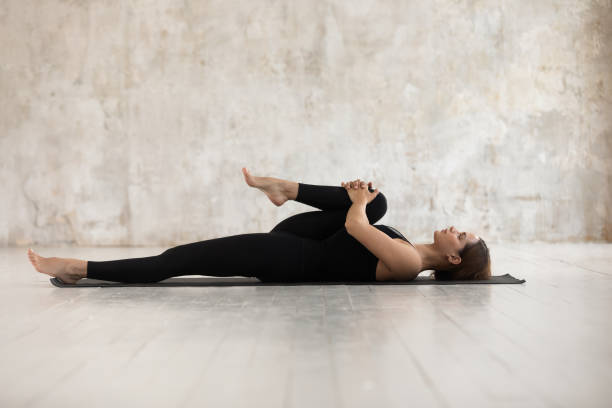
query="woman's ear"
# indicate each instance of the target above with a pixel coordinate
(454, 259)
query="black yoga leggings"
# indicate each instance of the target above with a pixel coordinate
(311, 246)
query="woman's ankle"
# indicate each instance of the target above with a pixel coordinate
(79, 267)
(291, 189)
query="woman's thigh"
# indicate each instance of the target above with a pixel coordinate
(316, 225)
(320, 225)
(270, 257)
(267, 256)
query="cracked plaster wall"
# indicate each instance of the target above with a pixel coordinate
(127, 122)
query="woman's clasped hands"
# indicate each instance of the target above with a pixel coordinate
(358, 191)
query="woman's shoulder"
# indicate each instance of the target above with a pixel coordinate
(392, 232)
(411, 263)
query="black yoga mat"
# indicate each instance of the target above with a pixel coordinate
(244, 281)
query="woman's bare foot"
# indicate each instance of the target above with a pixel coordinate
(68, 270)
(275, 189)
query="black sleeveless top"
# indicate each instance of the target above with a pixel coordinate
(392, 232)
(346, 259)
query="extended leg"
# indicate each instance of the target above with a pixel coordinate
(270, 256)
(335, 202)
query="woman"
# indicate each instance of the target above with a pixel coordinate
(339, 243)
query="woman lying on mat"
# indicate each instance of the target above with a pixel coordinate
(338, 242)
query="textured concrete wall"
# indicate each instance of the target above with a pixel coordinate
(127, 122)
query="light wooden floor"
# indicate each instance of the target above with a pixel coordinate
(545, 343)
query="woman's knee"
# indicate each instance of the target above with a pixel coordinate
(173, 250)
(377, 208)
(166, 259)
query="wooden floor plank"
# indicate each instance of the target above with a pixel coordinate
(544, 343)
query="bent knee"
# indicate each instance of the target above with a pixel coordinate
(377, 208)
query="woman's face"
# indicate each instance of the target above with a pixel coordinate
(450, 240)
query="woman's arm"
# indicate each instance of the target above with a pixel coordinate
(401, 259)
(356, 214)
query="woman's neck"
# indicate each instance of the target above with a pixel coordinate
(430, 257)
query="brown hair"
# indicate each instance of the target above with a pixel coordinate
(475, 264)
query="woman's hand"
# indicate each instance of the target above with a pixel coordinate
(359, 192)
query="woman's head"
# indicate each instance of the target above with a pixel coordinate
(466, 256)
